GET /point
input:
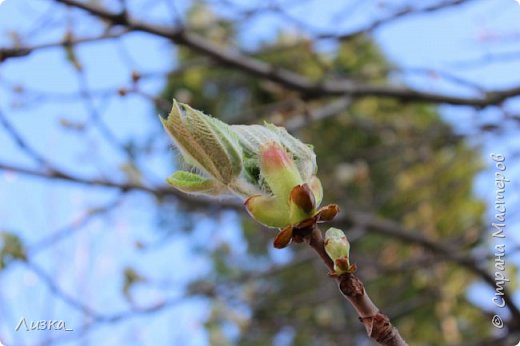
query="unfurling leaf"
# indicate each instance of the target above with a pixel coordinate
(193, 183)
(204, 142)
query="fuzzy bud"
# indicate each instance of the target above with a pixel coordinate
(273, 171)
(204, 142)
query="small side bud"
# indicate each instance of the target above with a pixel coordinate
(338, 249)
(336, 243)
(328, 212)
(283, 238)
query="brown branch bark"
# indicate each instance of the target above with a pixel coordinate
(284, 77)
(388, 227)
(377, 324)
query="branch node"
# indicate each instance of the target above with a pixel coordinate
(379, 328)
(351, 286)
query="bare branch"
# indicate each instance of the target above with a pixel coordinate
(20, 141)
(74, 226)
(406, 11)
(288, 78)
(376, 323)
(487, 59)
(58, 291)
(22, 51)
(327, 111)
(161, 191)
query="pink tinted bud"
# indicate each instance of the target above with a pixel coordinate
(278, 169)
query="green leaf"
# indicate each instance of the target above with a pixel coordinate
(194, 183)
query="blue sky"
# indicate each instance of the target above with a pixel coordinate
(88, 264)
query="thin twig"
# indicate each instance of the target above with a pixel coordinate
(288, 79)
(377, 324)
(406, 11)
(25, 50)
(394, 229)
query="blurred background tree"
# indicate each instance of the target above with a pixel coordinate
(403, 174)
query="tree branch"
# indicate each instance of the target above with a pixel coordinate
(22, 51)
(21, 142)
(58, 291)
(74, 226)
(161, 191)
(284, 77)
(406, 11)
(363, 220)
(393, 229)
(377, 324)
